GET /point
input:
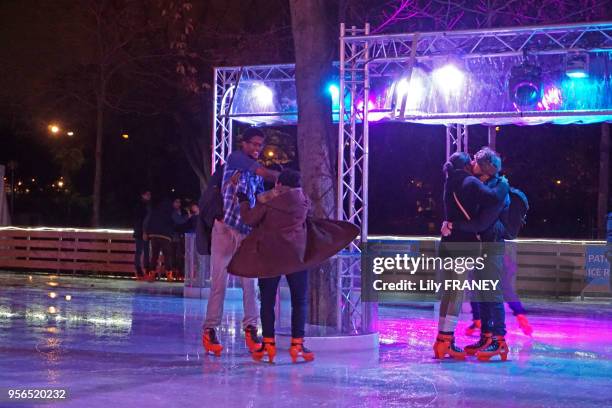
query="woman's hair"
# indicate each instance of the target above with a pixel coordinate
(457, 161)
(290, 178)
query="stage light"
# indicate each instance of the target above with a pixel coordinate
(414, 90)
(449, 78)
(263, 94)
(334, 91)
(70, 133)
(551, 99)
(525, 85)
(577, 65)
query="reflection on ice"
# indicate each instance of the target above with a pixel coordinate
(133, 347)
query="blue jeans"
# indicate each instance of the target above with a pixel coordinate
(491, 304)
(517, 309)
(298, 285)
(142, 250)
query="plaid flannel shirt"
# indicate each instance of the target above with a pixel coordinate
(250, 184)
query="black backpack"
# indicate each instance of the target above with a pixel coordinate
(514, 217)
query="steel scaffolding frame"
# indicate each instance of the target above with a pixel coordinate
(364, 56)
(226, 81)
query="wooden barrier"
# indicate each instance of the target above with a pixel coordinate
(544, 268)
(96, 251)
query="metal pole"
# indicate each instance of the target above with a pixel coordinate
(354, 111)
(492, 137)
(448, 141)
(340, 181)
(366, 134)
(214, 123)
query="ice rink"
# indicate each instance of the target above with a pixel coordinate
(127, 344)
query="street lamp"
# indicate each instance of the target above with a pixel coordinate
(54, 128)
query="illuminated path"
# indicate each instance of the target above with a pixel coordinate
(133, 347)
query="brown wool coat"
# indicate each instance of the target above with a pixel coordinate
(284, 239)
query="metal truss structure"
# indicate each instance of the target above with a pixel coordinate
(364, 56)
(226, 81)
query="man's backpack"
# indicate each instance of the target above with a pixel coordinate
(514, 217)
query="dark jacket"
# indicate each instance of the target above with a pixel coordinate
(486, 221)
(159, 223)
(141, 212)
(472, 195)
(211, 209)
(284, 240)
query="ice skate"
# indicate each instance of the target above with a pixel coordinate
(251, 338)
(497, 346)
(268, 346)
(297, 349)
(445, 345)
(523, 323)
(472, 329)
(485, 340)
(211, 343)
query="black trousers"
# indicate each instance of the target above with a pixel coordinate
(165, 246)
(142, 251)
(298, 286)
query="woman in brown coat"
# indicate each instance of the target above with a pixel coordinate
(280, 232)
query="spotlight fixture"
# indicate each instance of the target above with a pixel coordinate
(263, 94)
(449, 78)
(577, 65)
(525, 85)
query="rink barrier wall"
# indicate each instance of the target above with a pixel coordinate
(105, 252)
(544, 268)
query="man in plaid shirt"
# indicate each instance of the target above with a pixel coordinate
(242, 175)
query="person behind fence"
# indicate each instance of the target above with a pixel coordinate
(463, 194)
(487, 165)
(241, 173)
(159, 228)
(141, 257)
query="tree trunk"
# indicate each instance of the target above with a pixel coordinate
(97, 184)
(604, 180)
(314, 44)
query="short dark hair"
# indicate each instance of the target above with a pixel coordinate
(251, 133)
(290, 178)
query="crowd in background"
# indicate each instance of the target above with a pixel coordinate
(159, 227)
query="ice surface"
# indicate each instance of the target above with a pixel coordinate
(139, 347)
